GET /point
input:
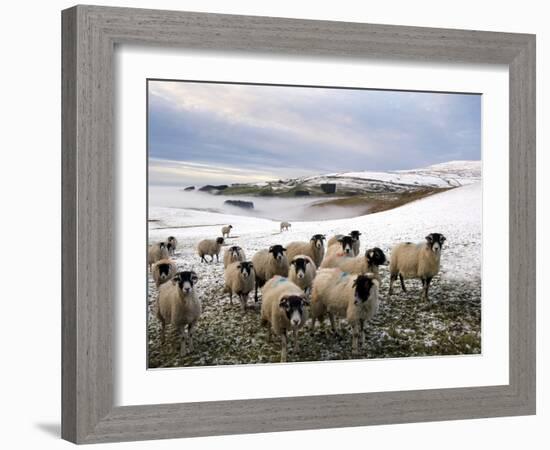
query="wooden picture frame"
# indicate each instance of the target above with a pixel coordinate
(90, 34)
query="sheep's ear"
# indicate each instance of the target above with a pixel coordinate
(271, 249)
(194, 277)
(443, 238)
(429, 238)
(175, 279)
(305, 301)
(284, 249)
(284, 302)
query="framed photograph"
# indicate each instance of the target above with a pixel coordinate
(255, 207)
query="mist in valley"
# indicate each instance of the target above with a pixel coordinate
(275, 208)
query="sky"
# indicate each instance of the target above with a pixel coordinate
(213, 133)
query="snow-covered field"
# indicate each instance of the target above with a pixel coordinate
(449, 324)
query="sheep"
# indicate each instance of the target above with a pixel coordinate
(285, 226)
(315, 249)
(421, 260)
(210, 247)
(174, 243)
(156, 252)
(283, 309)
(233, 254)
(302, 271)
(180, 306)
(341, 294)
(226, 230)
(163, 270)
(239, 279)
(343, 246)
(356, 246)
(268, 263)
(374, 257)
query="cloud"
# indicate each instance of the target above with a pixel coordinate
(286, 131)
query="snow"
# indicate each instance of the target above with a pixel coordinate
(449, 174)
(455, 213)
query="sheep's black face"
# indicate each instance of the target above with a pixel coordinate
(294, 307)
(278, 252)
(219, 240)
(186, 280)
(171, 239)
(435, 241)
(355, 235)
(318, 239)
(375, 256)
(235, 252)
(246, 268)
(363, 285)
(300, 265)
(164, 270)
(347, 244)
(169, 247)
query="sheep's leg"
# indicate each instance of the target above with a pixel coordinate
(355, 339)
(362, 331)
(183, 349)
(244, 298)
(217, 257)
(332, 322)
(402, 283)
(284, 349)
(426, 285)
(393, 277)
(162, 330)
(313, 319)
(295, 337)
(256, 291)
(190, 332)
(231, 296)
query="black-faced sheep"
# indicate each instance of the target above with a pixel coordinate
(315, 249)
(421, 260)
(240, 280)
(233, 254)
(173, 242)
(210, 247)
(374, 257)
(163, 271)
(283, 309)
(356, 243)
(226, 230)
(180, 306)
(267, 264)
(285, 226)
(156, 252)
(302, 271)
(341, 294)
(343, 246)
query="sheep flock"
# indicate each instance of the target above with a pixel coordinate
(331, 297)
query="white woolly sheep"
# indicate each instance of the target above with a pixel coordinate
(163, 270)
(239, 279)
(210, 247)
(268, 263)
(315, 249)
(356, 243)
(156, 252)
(374, 257)
(173, 242)
(421, 260)
(341, 294)
(180, 306)
(233, 254)
(226, 230)
(302, 271)
(283, 309)
(285, 226)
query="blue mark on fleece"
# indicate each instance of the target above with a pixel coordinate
(281, 280)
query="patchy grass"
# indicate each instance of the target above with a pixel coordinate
(450, 324)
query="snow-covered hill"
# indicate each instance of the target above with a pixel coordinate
(450, 324)
(445, 175)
